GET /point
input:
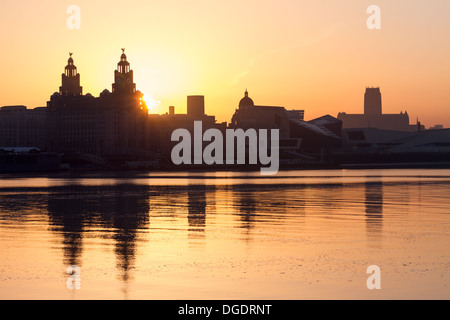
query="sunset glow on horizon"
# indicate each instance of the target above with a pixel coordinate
(233, 158)
(313, 55)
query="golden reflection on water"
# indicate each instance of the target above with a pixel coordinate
(225, 235)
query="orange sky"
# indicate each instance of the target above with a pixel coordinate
(313, 55)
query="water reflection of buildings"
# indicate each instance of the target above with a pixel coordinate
(76, 210)
(261, 206)
(196, 197)
(374, 211)
(68, 217)
(246, 205)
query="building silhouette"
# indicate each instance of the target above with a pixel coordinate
(373, 116)
(111, 126)
(431, 144)
(372, 102)
(22, 127)
(251, 116)
(70, 80)
(161, 126)
(297, 136)
(116, 126)
(123, 77)
(116, 130)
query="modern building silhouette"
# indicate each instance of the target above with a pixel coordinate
(372, 141)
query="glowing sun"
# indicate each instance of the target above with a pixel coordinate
(151, 103)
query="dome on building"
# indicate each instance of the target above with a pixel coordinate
(70, 69)
(123, 57)
(55, 96)
(246, 101)
(123, 66)
(70, 60)
(105, 93)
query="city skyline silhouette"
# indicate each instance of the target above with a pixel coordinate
(232, 154)
(291, 62)
(153, 105)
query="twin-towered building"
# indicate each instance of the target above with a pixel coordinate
(117, 127)
(110, 125)
(114, 126)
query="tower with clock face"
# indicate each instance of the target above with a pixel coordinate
(123, 77)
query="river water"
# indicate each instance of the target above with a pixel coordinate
(226, 235)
